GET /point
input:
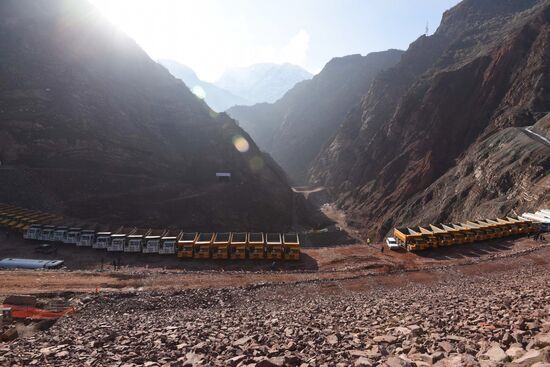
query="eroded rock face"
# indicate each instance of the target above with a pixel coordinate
(295, 128)
(90, 126)
(460, 320)
(438, 137)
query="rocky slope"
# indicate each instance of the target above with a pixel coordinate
(440, 137)
(91, 127)
(295, 128)
(217, 98)
(261, 83)
(496, 319)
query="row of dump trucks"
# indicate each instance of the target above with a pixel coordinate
(447, 234)
(224, 245)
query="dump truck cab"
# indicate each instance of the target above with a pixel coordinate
(291, 246)
(203, 245)
(33, 232)
(117, 242)
(136, 241)
(119, 239)
(220, 246)
(169, 242)
(102, 240)
(237, 245)
(186, 244)
(60, 233)
(274, 246)
(86, 238)
(151, 243)
(47, 233)
(256, 245)
(73, 236)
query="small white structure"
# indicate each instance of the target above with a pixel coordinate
(223, 176)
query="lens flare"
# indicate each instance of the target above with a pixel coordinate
(241, 143)
(198, 91)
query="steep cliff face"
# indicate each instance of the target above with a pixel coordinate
(295, 128)
(90, 126)
(452, 107)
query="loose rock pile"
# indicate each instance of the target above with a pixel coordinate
(501, 319)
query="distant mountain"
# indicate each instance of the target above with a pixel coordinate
(296, 127)
(92, 128)
(217, 98)
(262, 82)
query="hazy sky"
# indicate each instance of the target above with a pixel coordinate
(212, 35)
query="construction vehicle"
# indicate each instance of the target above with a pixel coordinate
(119, 239)
(47, 232)
(169, 242)
(102, 240)
(136, 240)
(73, 235)
(220, 245)
(443, 236)
(469, 234)
(203, 244)
(237, 245)
(86, 238)
(186, 244)
(455, 233)
(291, 243)
(33, 232)
(152, 241)
(256, 245)
(274, 246)
(60, 234)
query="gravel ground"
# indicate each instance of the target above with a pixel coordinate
(494, 319)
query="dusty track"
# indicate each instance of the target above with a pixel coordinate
(349, 266)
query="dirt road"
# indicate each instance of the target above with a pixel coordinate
(354, 266)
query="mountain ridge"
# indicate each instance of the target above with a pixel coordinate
(264, 82)
(217, 98)
(82, 106)
(483, 71)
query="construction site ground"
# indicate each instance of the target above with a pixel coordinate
(352, 266)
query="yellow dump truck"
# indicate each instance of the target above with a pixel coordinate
(443, 236)
(186, 245)
(203, 245)
(457, 235)
(291, 244)
(220, 245)
(256, 245)
(274, 246)
(409, 238)
(237, 245)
